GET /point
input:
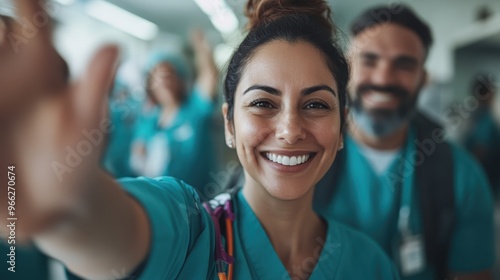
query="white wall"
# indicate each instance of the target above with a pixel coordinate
(471, 62)
(78, 36)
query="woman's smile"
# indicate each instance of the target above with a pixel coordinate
(288, 161)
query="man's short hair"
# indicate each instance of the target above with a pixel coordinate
(398, 14)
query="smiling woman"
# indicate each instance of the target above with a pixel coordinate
(282, 107)
(285, 94)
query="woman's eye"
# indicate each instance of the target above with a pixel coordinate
(262, 104)
(317, 105)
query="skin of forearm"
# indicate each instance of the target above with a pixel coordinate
(208, 84)
(208, 74)
(110, 234)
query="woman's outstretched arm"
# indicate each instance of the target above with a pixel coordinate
(108, 233)
(53, 135)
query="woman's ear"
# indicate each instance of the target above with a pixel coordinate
(341, 136)
(228, 126)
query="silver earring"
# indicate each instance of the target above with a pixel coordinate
(341, 146)
(230, 143)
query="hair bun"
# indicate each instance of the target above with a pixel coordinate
(264, 11)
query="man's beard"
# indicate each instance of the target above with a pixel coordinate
(383, 122)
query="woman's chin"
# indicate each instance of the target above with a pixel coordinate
(288, 192)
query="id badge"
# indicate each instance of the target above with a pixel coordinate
(412, 255)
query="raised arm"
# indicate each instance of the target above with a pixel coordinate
(207, 72)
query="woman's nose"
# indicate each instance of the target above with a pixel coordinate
(290, 128)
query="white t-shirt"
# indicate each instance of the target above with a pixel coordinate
(380, 160)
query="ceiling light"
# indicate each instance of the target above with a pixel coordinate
(122, 19)
(220, 14)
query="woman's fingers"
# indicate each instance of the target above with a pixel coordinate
(92, 89)
(30, 64)
(69, 137)
(3, 31)
(35, 26)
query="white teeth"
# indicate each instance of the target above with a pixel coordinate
(381, 97)
(286, 160)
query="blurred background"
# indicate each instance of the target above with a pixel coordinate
(466, 52)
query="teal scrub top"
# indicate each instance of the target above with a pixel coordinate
(188, 140)
(116, 158)
(371, 203)
(483, 141)
(485, 132)
(183, 240)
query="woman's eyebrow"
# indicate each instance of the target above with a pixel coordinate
(267, 89)
(305, 91)
(312, 89)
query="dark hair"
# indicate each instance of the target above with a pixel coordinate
(291, 21)
(397, 14)
(484, 85)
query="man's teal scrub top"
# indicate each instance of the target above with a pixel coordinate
(371, 203)
(189, 153)
(183, 241)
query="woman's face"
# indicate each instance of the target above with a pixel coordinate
(165, 84)
(286, 125)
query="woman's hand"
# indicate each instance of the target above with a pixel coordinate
(52, 131)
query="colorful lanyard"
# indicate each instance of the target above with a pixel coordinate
(221, 208)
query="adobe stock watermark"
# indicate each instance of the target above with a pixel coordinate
(220, 180)
(217, 186)
(322, 252)
(30, 26)
(75, 155)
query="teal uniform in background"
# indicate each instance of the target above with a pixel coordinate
(123, 116)
(371, 203)
(483, 140)
(183, 240)
(188, 140)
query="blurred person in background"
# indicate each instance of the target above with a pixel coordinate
(424, 200)
(483, 135)
(123, 114)
(176, 121)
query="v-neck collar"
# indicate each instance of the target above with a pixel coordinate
(354, 148)
(264, 260)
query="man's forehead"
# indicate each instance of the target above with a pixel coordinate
(389, 41)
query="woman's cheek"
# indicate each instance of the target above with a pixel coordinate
(253, 130)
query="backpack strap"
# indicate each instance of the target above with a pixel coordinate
(436, 192)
